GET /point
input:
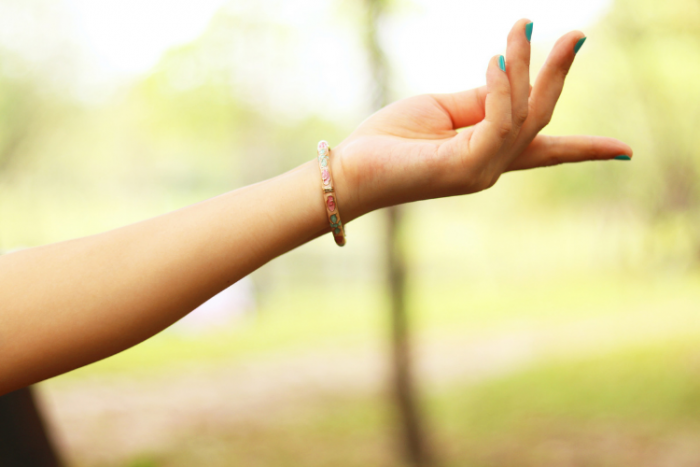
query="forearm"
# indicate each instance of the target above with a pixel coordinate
(72, 303)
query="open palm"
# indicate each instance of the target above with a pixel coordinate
(411, 149)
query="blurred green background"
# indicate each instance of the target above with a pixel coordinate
(555, 315)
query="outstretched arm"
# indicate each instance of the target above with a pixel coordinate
(69, 304)
(72, 303)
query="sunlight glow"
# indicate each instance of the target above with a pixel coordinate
(436, 46)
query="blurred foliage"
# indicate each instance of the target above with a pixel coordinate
(27, 112)
(637, 80)
(192, 129)
(203, 102)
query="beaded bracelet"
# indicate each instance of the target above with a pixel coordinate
(329, 197)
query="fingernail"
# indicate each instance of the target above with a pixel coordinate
(528, 31)
(622, 157)
(502, 62)
(578, 45)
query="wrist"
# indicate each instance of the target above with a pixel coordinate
(346, 185)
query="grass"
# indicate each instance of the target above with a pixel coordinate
(636, 402)
(607, 410)
(657, 385)
(638, 406)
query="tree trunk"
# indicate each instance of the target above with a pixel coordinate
(413, 438)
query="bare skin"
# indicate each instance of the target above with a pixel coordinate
(69, 304)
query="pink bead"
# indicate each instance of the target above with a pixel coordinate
(331, 203)
(326, 176)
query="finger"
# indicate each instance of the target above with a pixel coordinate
(518, 54)
(490, 134)
(465, 108)
(550, 81)
(545, 151)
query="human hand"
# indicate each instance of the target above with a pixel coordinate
(411, 150)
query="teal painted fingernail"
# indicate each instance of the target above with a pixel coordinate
(502, 62)
(528, 31)
(578, 45)
(622, 157)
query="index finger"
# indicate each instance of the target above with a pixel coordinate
(465, 108)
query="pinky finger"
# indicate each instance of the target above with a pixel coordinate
(545, 151)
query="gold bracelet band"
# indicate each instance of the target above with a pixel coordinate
(329, 197)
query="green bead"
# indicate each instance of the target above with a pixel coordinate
(334, 218)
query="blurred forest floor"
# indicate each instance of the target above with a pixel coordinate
(617, 385)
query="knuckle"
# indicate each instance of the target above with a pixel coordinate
(488, 182)
(520, 115)
(474, 183)
(502, 90)
(477, 179)
(543, 119)
(505, 127)
(481, 185)
(492, 181)
(554, 160)
(546, 120)
(484, 180)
